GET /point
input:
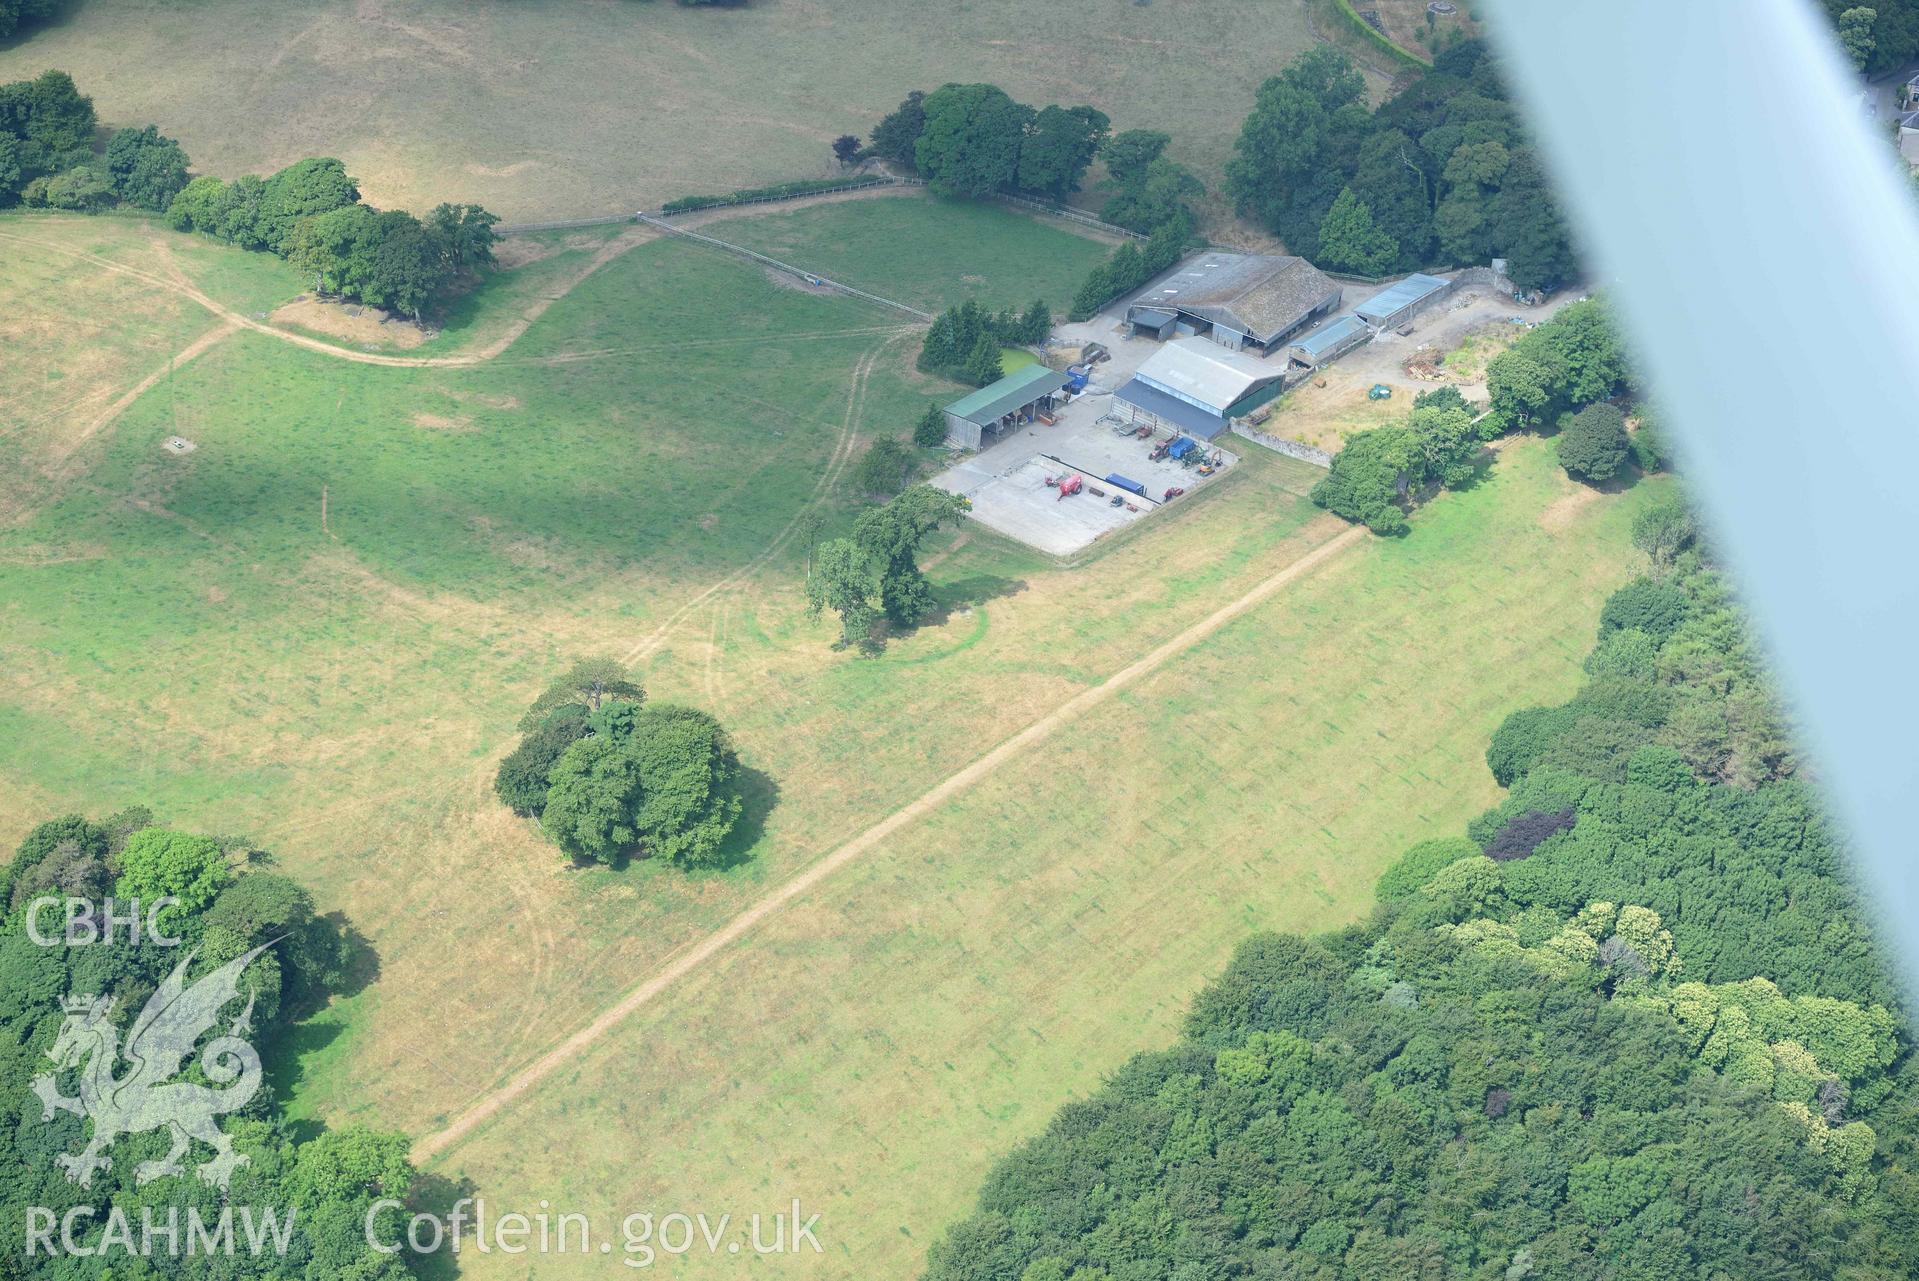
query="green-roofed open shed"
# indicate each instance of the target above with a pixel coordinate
(999, 407)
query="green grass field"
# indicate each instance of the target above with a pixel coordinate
(880, 245)
(881, 1043)
(557, 108)
(193, 633)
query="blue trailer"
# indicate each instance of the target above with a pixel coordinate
(1181, 447)
(1130, 486)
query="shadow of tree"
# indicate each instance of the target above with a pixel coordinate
(436, 1195)
(759, 795)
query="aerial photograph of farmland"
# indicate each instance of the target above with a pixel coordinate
(988, 641)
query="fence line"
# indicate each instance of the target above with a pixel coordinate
(1281, 445)
(864, 184)
(563, 224)
(728, 202)
(787, 267)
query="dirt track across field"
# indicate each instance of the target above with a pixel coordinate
(534, 310)
(693, 957)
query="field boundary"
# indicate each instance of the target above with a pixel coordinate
(695, 956)
(1404, 57)
(1281, 445)
(1063, 212)
(562, 224)
(788, 268)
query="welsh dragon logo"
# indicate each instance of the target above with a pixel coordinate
(145, 1097)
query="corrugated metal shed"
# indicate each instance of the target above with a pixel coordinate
(1383, 306)
(987, 405)
(1316, 345)
(1171, 409)
(1206, 372)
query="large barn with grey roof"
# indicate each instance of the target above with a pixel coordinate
(1240, 301)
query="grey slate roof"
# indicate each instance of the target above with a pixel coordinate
(1261, 295)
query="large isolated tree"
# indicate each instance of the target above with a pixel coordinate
(657, 780)
(970, 143)
(891, 535)
(842, 580)
(591, 799)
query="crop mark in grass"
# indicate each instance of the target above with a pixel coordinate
(694, 956)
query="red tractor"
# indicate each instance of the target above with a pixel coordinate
(1068, 486)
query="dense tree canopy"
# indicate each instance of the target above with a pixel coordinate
(1131, 266)
(1593, 445)
(15, 14)
(145, 169)
(1878, 37)
(610, 775)
(1378, 473)
(974, 140)
(970, 143)
(1635, 1026)
(896, 138)
(308, 212)
(655, 780)
(1351, 239)
(322, 1184)
(1441, 174)
(963, 343)
(1144, 189)
(46, 130)
(1557, 367)
(1058, 148)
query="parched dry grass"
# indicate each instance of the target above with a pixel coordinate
(343, 694)
(1015, 945)
(360, 326)
(78, 343)
(549, 109)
